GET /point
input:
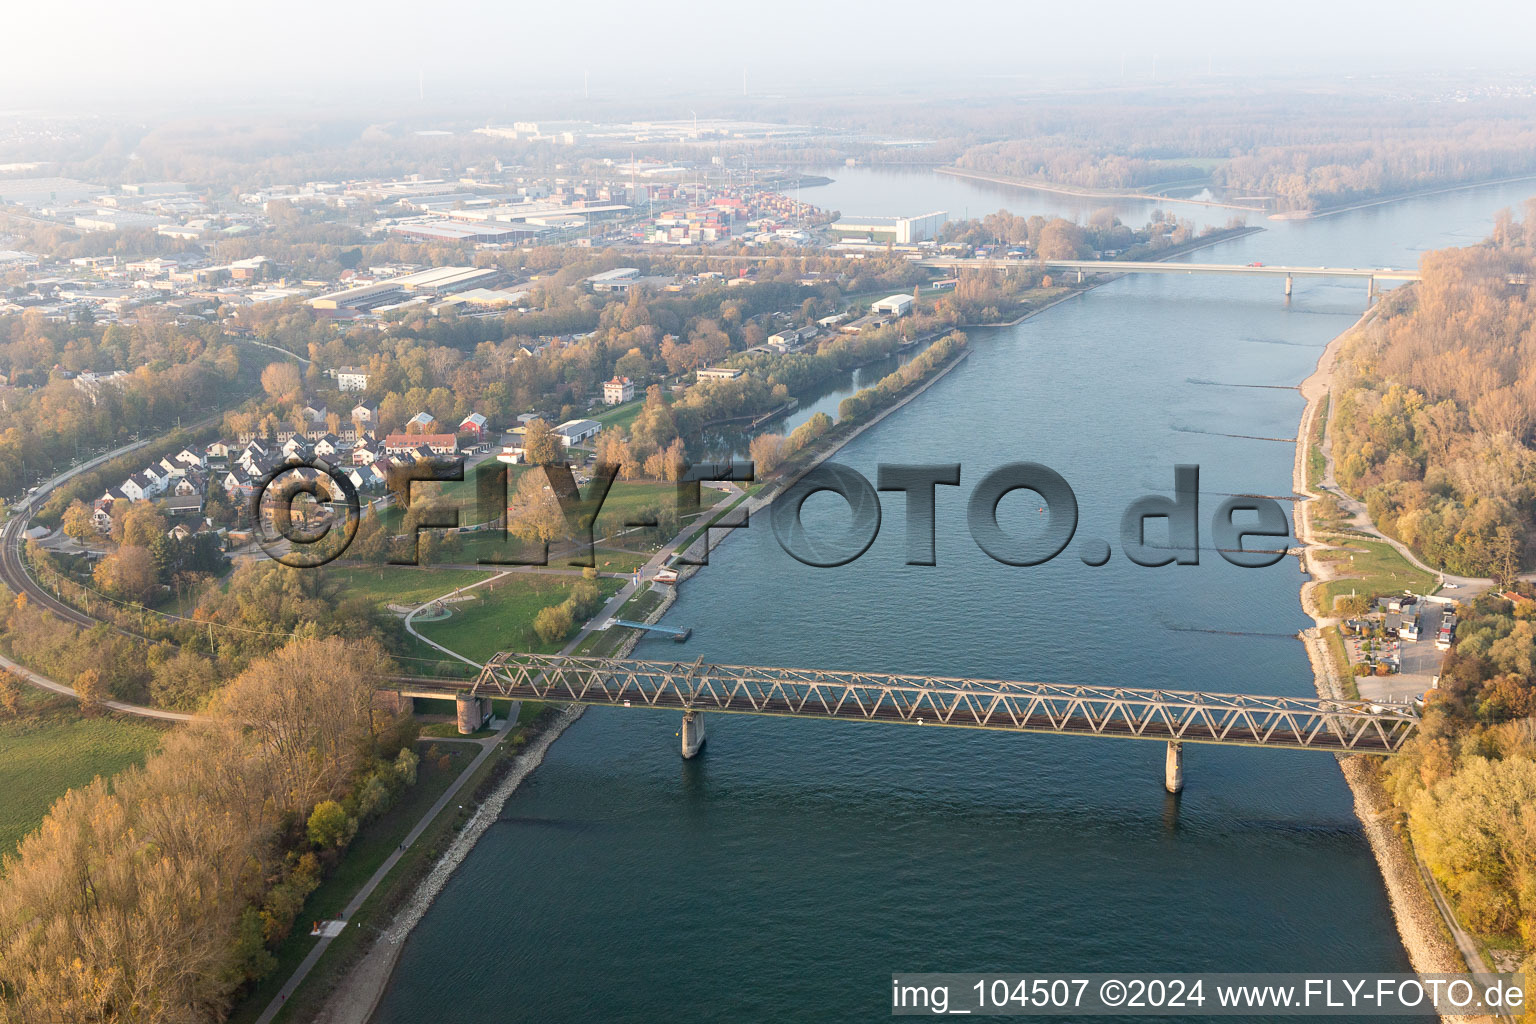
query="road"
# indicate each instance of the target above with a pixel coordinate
(13, 573)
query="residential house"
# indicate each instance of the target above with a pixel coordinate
(474, 425)
(351, 378)
(436, 444)
(618, 391)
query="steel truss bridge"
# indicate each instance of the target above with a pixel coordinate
(1173, 717)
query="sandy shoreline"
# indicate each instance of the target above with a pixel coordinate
(1419, 923)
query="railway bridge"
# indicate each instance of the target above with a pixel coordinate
(1370, 275)
(1172, 717)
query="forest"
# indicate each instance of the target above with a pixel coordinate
(157, 896)
(1466, 782)
(1435, 406)
(1304, 151)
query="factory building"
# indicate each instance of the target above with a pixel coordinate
(902, 230)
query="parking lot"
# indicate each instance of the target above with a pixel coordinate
(1418, 660)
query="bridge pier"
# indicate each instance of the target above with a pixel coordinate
(472, 712)
(1288, 284)
(1173, 767)
(1079, 277)
(1370, 292)
(693, 733)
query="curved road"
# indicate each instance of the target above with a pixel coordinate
(13, 573)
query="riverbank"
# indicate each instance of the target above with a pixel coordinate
(1331, 211)
(1420, 925)
(1193, 245)
(1085, 193)
(362, 987)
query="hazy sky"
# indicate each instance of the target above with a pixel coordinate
(176, 51)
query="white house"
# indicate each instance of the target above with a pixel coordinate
(618, 391)
(156, 479)
(351, 378)
(134, 488)
(896, 305)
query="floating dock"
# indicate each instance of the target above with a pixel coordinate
(677, 635)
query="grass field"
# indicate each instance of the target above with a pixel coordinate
(402, 584)
(53, 749)
(1370, 567)
(501, 618)
(621, 415)
(1317, 462)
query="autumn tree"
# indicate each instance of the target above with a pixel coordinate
(10, 695)
(90, 690)
(78, 522)
(311, 704)
(139, 525)
(553, 624)
(128, 573)
(541, 445)
(767, 451)
(282, 382)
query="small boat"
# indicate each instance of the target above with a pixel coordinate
(666, 575)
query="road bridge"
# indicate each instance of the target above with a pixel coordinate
(1172, 717)
(1371, 275)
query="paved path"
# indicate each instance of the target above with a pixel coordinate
(1360, 520)
(44, 683)
(488, 746)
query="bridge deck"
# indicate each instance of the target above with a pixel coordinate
(1150, 267)
(1111, 711)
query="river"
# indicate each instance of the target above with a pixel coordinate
(790, 870)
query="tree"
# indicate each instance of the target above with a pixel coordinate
(90, 690)
(139, 525)
(282, 382)
(10, 694)
(78, 522)
(553, 624)
(1352, 606)
(311, 703)
(329, 825)
(541, 445)
(128, 573)
(767, 451)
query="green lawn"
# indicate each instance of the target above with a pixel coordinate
(629, 498)
(1317, 462)
(402, 584)
(53, 749)
(1370, 567)
(501, 616)
(621, 415)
